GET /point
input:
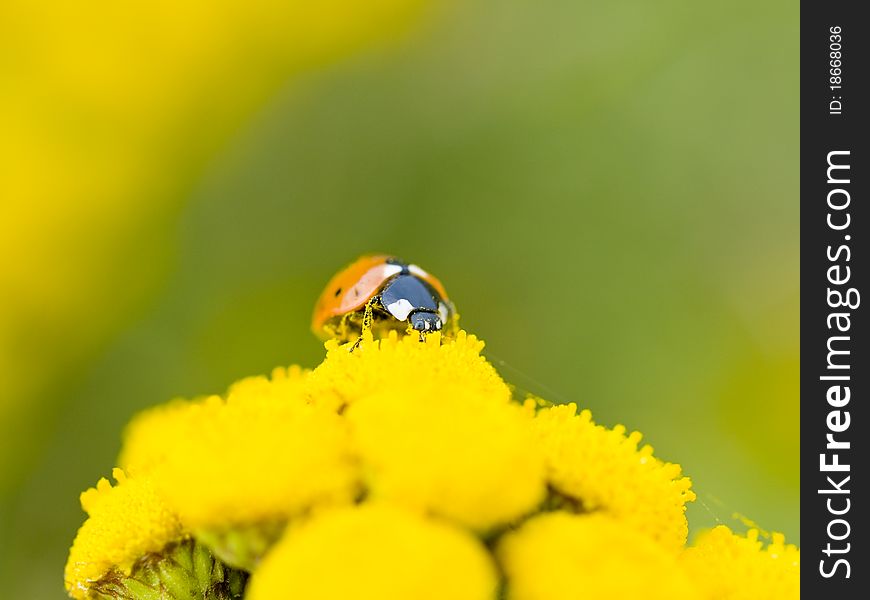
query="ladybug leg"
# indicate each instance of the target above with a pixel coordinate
(368, 320)
(368, 316)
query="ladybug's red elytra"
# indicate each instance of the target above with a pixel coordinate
(381, 293)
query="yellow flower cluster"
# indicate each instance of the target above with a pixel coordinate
(127, 522)
(406, 470)
(725, 565)
(260, 455)
(558, 556)
(436, 435)
(373, 552)
(604, 470)
(405, 366)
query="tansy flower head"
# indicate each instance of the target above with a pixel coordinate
(148, 438)
(125, 523)
(375, 552)
(434, 427)
(595, 557)
(257, 458)
(604, 470)
(403, 363)
(727, 566)
(464, 456)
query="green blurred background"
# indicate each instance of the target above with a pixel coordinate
(607, 190)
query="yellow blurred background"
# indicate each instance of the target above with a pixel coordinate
(608, 191)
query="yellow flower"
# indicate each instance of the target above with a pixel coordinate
(261, 456)
(423, 417)
(727, 566)
(404, 363)
(469, 458)
(594, 557)
(375, 552)
(604, 470)
(124, 523)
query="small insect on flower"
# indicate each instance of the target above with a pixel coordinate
(380, 294)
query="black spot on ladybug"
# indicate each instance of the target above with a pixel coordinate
(337, 292)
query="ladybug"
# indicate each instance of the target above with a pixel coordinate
(382, 293)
